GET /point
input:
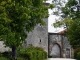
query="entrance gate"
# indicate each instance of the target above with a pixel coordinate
(55, 51)
(58, 46)
(54, 45)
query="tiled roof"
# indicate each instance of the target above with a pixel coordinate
(62, 32)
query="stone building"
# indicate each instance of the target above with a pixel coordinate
(58, 46)
(55, 44)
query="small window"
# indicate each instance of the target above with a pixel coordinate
(40, 41)
(40, 25)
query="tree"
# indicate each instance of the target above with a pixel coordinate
(71, 21)
(18, 16)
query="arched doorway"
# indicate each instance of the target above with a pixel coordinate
(55, 51)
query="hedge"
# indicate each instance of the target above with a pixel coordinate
(33, 53)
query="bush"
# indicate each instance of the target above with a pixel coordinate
(33, 53)
(1, 55)
(6, 54)
(76, 53)
(78, 56)
(29, 53)
(3, 58)
(20, 58)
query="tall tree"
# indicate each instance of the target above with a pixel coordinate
(71, 20)
(18, 16)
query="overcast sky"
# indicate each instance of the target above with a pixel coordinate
(51, 20)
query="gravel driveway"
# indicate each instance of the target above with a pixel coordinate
(60, 59)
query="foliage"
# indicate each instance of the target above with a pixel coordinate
(66, 22)
(19, 58)
(71, 22)
(1, 55)
(58, 4)
(3, 58)
(77, 53)
(33, 53)
(29, 53)
(51, 6)
(17, 18)
(73, 34)
(78, 56)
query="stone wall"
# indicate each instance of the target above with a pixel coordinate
(39, 36)
(63, 48)
(3, 48)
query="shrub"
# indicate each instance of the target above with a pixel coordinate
(3, 58)
(76, 53)
(20, 58)
(78, 56)
(33, 53)
(29, 53)
(1, 55)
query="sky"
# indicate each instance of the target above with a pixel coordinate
(51, 20)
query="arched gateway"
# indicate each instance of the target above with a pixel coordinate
(58, 46)
(55, 51)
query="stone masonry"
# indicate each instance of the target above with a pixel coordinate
(59, 46)
(39, 36)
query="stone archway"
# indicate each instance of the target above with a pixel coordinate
(55, 51)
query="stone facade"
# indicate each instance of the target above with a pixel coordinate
(59, 46)
(55, 44)
(39, 36)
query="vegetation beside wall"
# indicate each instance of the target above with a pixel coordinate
(29, 53)
(3, 58)
(77, 53)
(33, 53)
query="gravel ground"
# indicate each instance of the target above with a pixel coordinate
(60, 59)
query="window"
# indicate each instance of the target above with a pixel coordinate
(40, 41)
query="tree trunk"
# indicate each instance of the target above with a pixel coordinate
(14, 55)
